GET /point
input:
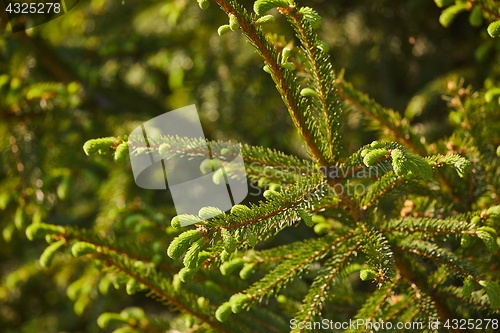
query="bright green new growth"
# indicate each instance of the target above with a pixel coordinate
(308, 92)
(49, 253)
(489, 236)
(311, 16)
(372, 156)
(228, 241)
(183, 219)
(262, 6)
(131, 287)
(39, 230)
(233, 22)
(186, 274)
(494, 29)
(121, 152)
(367, 274)
(419, 166)
(181, 243)
(204, 4)
(399, 162)
(240, 210)
(265, 19)
(231, 266)
(82, 248)
(192, 255)
(238, 301)
(493, 291)
(305, 217)
(209, 212)
(224, 29)
(108, 319)
(449, 14)
(247, 271)
(100, 146)
(422, 223)
(223, 311)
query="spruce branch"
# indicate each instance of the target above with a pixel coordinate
(335, 269)
(476, 300)
(104, 245)
(384, 185)
(426, 305)
(171, 146)
(286, 252)
(431, 251)
(284, 79)
(490, 8)
(163, 290)
(323, 79)
(304, 256)
(388, 119)
(376, 301)
(274, 214)
(379, 254)
(429, 226)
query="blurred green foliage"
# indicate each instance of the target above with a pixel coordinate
(106, 66)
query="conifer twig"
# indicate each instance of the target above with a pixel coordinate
(160, 293)
(323, 76)
(360, 101)
(284, 83)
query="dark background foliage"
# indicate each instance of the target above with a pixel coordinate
(106, 66)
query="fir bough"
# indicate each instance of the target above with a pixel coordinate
(418, 220)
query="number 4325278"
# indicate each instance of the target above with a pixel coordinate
(33, 8)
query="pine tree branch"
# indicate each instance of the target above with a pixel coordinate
(426, 304)
(404, 268)
(387, 183)
(418, 227)
(284, 80)
(475, 302)
(334, 269)
(441, 257)
(152, 283)
(312, 251)
(272, 215)
(376, 301)
(388, 119)
(172, 146)
(484, 7)
(323, 79)
(379, 254)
